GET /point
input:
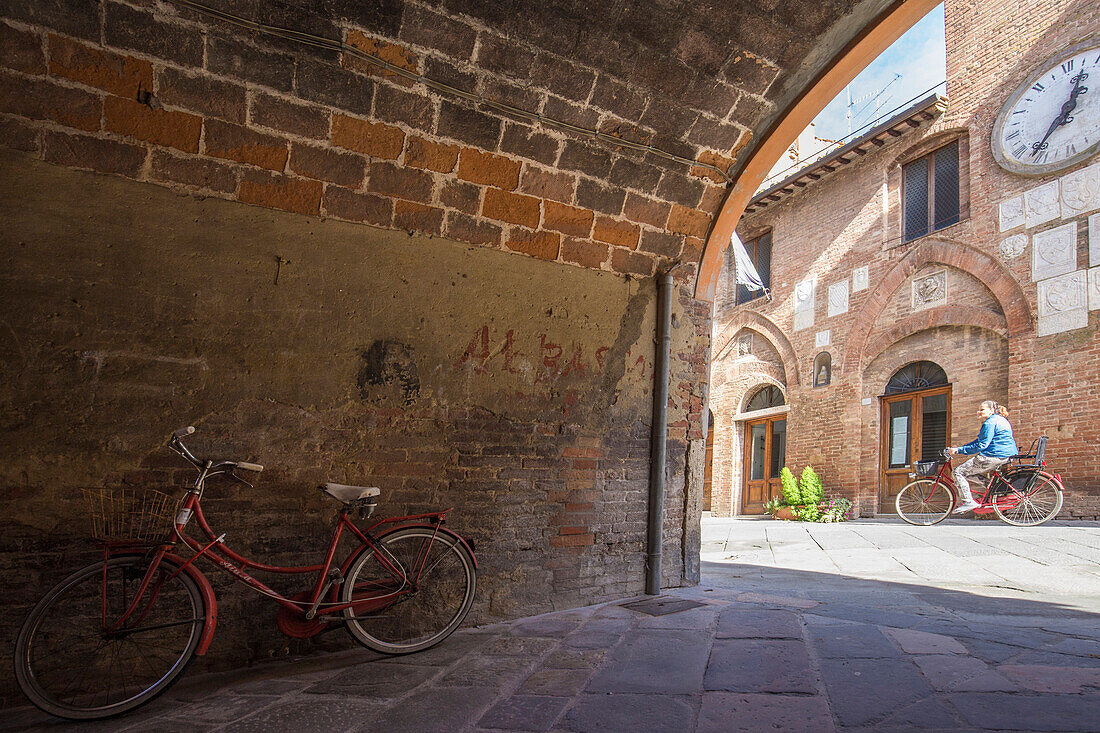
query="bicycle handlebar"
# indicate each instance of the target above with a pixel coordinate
(176, 444)
(183, 432)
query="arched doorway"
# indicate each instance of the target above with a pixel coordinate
(916, 424)
(765, 449)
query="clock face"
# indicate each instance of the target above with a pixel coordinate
(1052, 121)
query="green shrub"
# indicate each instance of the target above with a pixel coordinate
(810, 487)
(773, 504)
(808, 512)
(790, 487)
(837, 510)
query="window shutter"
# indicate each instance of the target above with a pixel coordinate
(915, 175)
(946, 186)
(763, 260)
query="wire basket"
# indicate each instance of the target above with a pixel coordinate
(927, 468)
(129, 515)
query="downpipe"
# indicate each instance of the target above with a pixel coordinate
(659, 435)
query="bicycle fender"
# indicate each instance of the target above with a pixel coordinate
(433, 527)
(211, 603)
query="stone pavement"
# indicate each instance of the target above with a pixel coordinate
(867, 625)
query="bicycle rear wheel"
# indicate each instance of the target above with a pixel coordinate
(420, 601)
(1033, 500)
(924, 502)
(69, 665)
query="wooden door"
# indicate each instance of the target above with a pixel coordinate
(915, 427)
(765, 455)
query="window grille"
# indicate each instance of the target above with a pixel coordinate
(931, 192)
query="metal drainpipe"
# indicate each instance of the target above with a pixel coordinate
(659, 435)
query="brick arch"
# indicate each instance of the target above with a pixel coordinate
(947, 315)
(1009, 294)
(767, 328)
(782, 130)
(928, 144)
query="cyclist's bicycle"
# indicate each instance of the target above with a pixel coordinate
(116, 634)
(1023, 494)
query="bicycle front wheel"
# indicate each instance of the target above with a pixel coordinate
(1033, 501)
(411, 593)
(71, 663)
(924, 502)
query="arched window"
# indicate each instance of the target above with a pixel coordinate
(918, 375)
(823, 369)
(764, 398)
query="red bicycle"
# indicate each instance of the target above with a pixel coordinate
(1024, 495)
(116, 634)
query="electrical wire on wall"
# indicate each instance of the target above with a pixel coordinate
(309, 39)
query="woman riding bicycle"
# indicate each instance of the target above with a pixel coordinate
(992, 449)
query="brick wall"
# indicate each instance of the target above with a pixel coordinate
(984, 335)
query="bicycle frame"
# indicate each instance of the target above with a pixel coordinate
(987, 494)
(321, 599)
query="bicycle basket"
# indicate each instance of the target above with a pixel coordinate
(926, 468)
(128, 515)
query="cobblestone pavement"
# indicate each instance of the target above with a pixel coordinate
(868, 625)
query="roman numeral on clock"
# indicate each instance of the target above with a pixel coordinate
(1019, 150)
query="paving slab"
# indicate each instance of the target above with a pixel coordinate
(655, 661)
(923, 642)
(726, 712)
(740, 623)
(864, 691)
(850, 641)
(760, 665)
(960, 673)
(616, 713)
(525, 712)
(309, 715)
(1005, 711)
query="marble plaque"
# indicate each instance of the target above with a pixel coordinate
(744, 345)
(1062, 304)
(1094, 240)
(1080, 191)
(861, 278)
(1094, 288)
(838, 298)
(930, 290)
(803, 320)
(1014, 246)
(1041, 204)
(804, 295)
(822, 338)
(1011, 213)
(1054, 252)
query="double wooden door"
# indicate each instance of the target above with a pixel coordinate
(915, 427)
(764, 457)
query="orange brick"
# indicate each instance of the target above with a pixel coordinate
(618, 233)
(688, 221)
(415, 217)
(514, 208)
(544, 245)
(646, 210)
(632, 263)
(567, 219)
(584, 252)
(425, 154)
(488, 169)
(371, 138)
(398, 56)
(712, 158)
(172, 129)
(275, 191)
(573, 540)
(234, 142)
(111, 72)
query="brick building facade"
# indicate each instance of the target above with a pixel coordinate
(858, 294)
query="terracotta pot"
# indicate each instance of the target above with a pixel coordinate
(785, 512)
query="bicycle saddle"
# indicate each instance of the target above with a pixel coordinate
(348, 494)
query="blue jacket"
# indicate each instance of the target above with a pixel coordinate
(994, 439)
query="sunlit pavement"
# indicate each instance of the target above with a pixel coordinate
(870, 625)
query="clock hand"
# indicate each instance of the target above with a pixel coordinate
(1063, 116)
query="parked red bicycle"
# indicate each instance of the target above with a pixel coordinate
(116, 634)
(1021, 494)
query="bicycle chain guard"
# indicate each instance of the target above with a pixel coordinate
(294, 623)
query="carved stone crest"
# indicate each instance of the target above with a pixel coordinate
(821, 338)
(838, 298)
(861, 279)
(804, 295)
(1094, 289)
(1062, 303)
(930, 290)
(1011, 213)
(1014, 246)
(744, 345)
(1041, 204)
(1054, 252)
(1080, 191)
